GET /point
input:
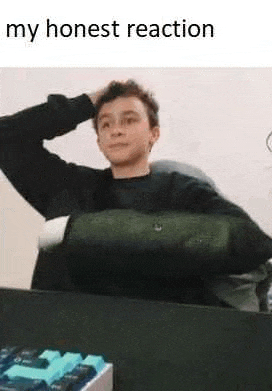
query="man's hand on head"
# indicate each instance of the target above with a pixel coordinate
(94, 96)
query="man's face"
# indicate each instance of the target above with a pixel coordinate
(123, 131)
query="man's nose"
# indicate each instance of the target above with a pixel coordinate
(117, 130)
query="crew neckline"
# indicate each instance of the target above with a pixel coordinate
(132, 179)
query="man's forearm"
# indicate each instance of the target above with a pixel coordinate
(58, 115)
(169, 243)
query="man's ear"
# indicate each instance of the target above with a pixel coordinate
(155, 134)
(98, 141)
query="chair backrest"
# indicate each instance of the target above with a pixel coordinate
(183, 168)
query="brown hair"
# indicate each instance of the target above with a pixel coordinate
(129, 88)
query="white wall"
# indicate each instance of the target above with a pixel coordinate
(214, 118)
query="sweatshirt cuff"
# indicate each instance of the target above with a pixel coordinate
(83, 108)
(64, 114)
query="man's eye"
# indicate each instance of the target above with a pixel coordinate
(130, 120)
(105, 125)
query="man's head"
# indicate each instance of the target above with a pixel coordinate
(126, 124)
(126, 89)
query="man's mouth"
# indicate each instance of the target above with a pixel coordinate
(118, 145)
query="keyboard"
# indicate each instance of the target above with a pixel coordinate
(31, 369)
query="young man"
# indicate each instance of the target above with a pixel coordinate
(126, 230)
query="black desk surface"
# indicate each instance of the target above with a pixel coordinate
(154, 346)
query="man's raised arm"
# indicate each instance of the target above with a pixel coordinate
(34, 172)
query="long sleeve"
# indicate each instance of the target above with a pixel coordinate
(165, 243)
(34, 172)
